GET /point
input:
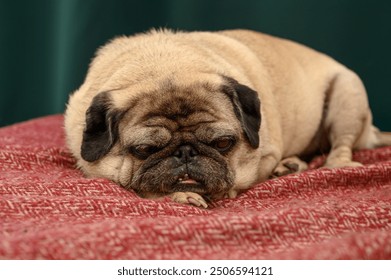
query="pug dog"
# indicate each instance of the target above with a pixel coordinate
(199, 116)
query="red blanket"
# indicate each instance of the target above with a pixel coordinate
(48, 210)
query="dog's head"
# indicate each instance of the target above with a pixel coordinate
(180, 136)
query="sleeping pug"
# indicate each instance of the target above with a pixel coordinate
(199, 116)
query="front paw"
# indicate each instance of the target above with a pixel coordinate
(189, 198)
(289, 165)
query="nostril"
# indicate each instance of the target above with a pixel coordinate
(185, 152)
(177, 153)
(192, 152)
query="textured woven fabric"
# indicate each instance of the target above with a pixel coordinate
(48, 210)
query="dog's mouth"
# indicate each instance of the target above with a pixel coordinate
(185, 179)
(185, 183)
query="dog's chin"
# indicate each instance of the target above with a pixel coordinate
(211, 191)
(206, 176)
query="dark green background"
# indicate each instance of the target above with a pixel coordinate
(46, 46)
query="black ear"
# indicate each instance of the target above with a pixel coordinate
(247, 108)
(101, 130)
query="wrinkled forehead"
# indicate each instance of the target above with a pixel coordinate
(185, 105)
(176, 103)
(168, 84)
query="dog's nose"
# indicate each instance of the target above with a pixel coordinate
(185, 153)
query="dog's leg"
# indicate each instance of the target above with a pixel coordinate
(341, 153)
(348, 119)
(288, 166)
(383, 138)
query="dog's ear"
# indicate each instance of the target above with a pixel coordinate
(101, 130)
(247, 107)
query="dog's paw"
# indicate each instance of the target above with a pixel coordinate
(189, 198)
(232, 194)
(288, 166)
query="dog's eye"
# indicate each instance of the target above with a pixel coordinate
(223, 144)
(143, 151)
